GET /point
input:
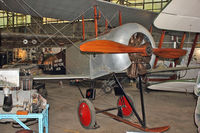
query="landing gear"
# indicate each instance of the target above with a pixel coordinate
(107, 89)
(126, 110)
(108, 86)
(125, 106)
(86, 114)
(143, 83)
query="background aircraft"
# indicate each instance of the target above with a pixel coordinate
(179, 16)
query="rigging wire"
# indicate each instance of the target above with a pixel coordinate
(104, 66)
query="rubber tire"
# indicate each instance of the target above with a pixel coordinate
(92, 113)
(131, 100)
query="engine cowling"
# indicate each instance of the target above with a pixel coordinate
(102, 64)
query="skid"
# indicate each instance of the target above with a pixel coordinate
(42, 119)
(156, 129)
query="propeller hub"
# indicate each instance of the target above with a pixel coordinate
(140, 60)
(149, 50)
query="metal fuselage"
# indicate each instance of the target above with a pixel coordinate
(97, 65)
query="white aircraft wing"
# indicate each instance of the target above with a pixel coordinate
(180, 15)
(172, 69)
(177, 86)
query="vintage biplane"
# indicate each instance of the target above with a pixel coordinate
(128, 47)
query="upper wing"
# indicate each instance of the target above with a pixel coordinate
(180, 15)
(173, 69)
(73, 9)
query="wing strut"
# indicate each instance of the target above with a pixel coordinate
(83, 27)
(159, 46)
(151, 29)
(181, 45)
(95, 21)
(106, 25)
(120, 18)
(193, 47)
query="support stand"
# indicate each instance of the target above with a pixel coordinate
(42, 119)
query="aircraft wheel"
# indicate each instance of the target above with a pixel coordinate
(86, 114)
(126, 108)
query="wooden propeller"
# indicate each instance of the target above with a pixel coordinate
(169, 53)
(107, 46)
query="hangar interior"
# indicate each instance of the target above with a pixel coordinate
(12, 22)
(35, 45)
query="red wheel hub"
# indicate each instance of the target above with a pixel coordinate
(126, 108)
(84, 114)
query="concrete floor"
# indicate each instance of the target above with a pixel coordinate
(162, 108)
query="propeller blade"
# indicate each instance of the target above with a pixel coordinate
(169, 52)
(107, 46)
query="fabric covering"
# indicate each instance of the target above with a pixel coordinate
(73, 9)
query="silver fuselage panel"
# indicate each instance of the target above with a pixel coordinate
(97, 65)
